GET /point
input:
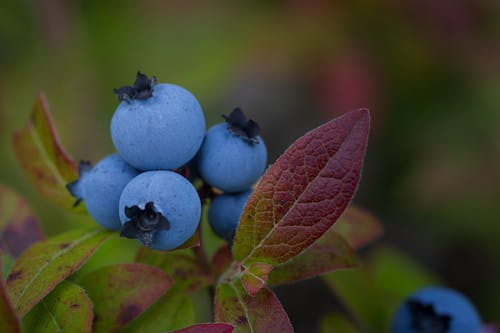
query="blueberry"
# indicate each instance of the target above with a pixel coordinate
(161, 209)
(101, 186)
(225, 211)
(157, 126)
(233, 156)
(436, 310)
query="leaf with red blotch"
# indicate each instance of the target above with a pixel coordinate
(45, 264)
(185, 270)
(19, 228)
(66, 309)
(42, 157)
(172, 311)
(121, 292)
(261, 313)
(330, 252)
(207, 328)
(358, 227)
(8, 318)
(304, 192)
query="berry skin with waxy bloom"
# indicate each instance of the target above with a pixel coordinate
(436, 310)
(161, 209)
(157, 126)
(233, 155)
(225, 212)
(100, 188)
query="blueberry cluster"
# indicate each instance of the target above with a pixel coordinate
(436, 310)
(146, 189)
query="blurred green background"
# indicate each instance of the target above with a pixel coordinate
(429, 70)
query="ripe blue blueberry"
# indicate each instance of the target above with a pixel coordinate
(233, 155)
(101, 186)
(157, 126)
(436, 310)
(225, 211)
(161, 209)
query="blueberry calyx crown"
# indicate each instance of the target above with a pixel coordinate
(143, 223)
(74, 187)
(424, 318)
(142, 88)
(240, 126)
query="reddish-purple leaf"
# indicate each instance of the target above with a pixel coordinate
(183, 269)
(42, 157)
(254, 277)
(41, 267)
(207, 328)
(303, 192)
(8, 318)
(330, 252)
(358, 227)
(123, 291)
(18, 226)
(221, 259)
(261, 313)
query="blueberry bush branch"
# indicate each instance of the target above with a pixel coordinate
(279, 231)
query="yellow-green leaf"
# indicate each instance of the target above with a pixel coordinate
(45, 264)
(67, 308)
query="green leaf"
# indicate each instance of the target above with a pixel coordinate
(123, 291)
(334, 323)
(65, 309)
(42, 157)
(261, 313)
(386, 279)
(358, 227)
(397, 275)
(172, 311)
(207, 328)
(303, 193)
(358, 292)
(329, 252)
(40, 268)
(184, 269)
(19, 228)
(116, 250)
(8, 318)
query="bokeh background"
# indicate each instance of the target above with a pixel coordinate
(429, 70)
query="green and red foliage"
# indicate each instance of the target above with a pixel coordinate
(297, 224)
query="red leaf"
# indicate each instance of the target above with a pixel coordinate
(42, 157)
(221, 259)
(261, 313)
(121, 292)
(358, 227)
(8, 318)
(255, 276)
(330, 252)
(303, 192)
(19, 228)
(207, 328)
